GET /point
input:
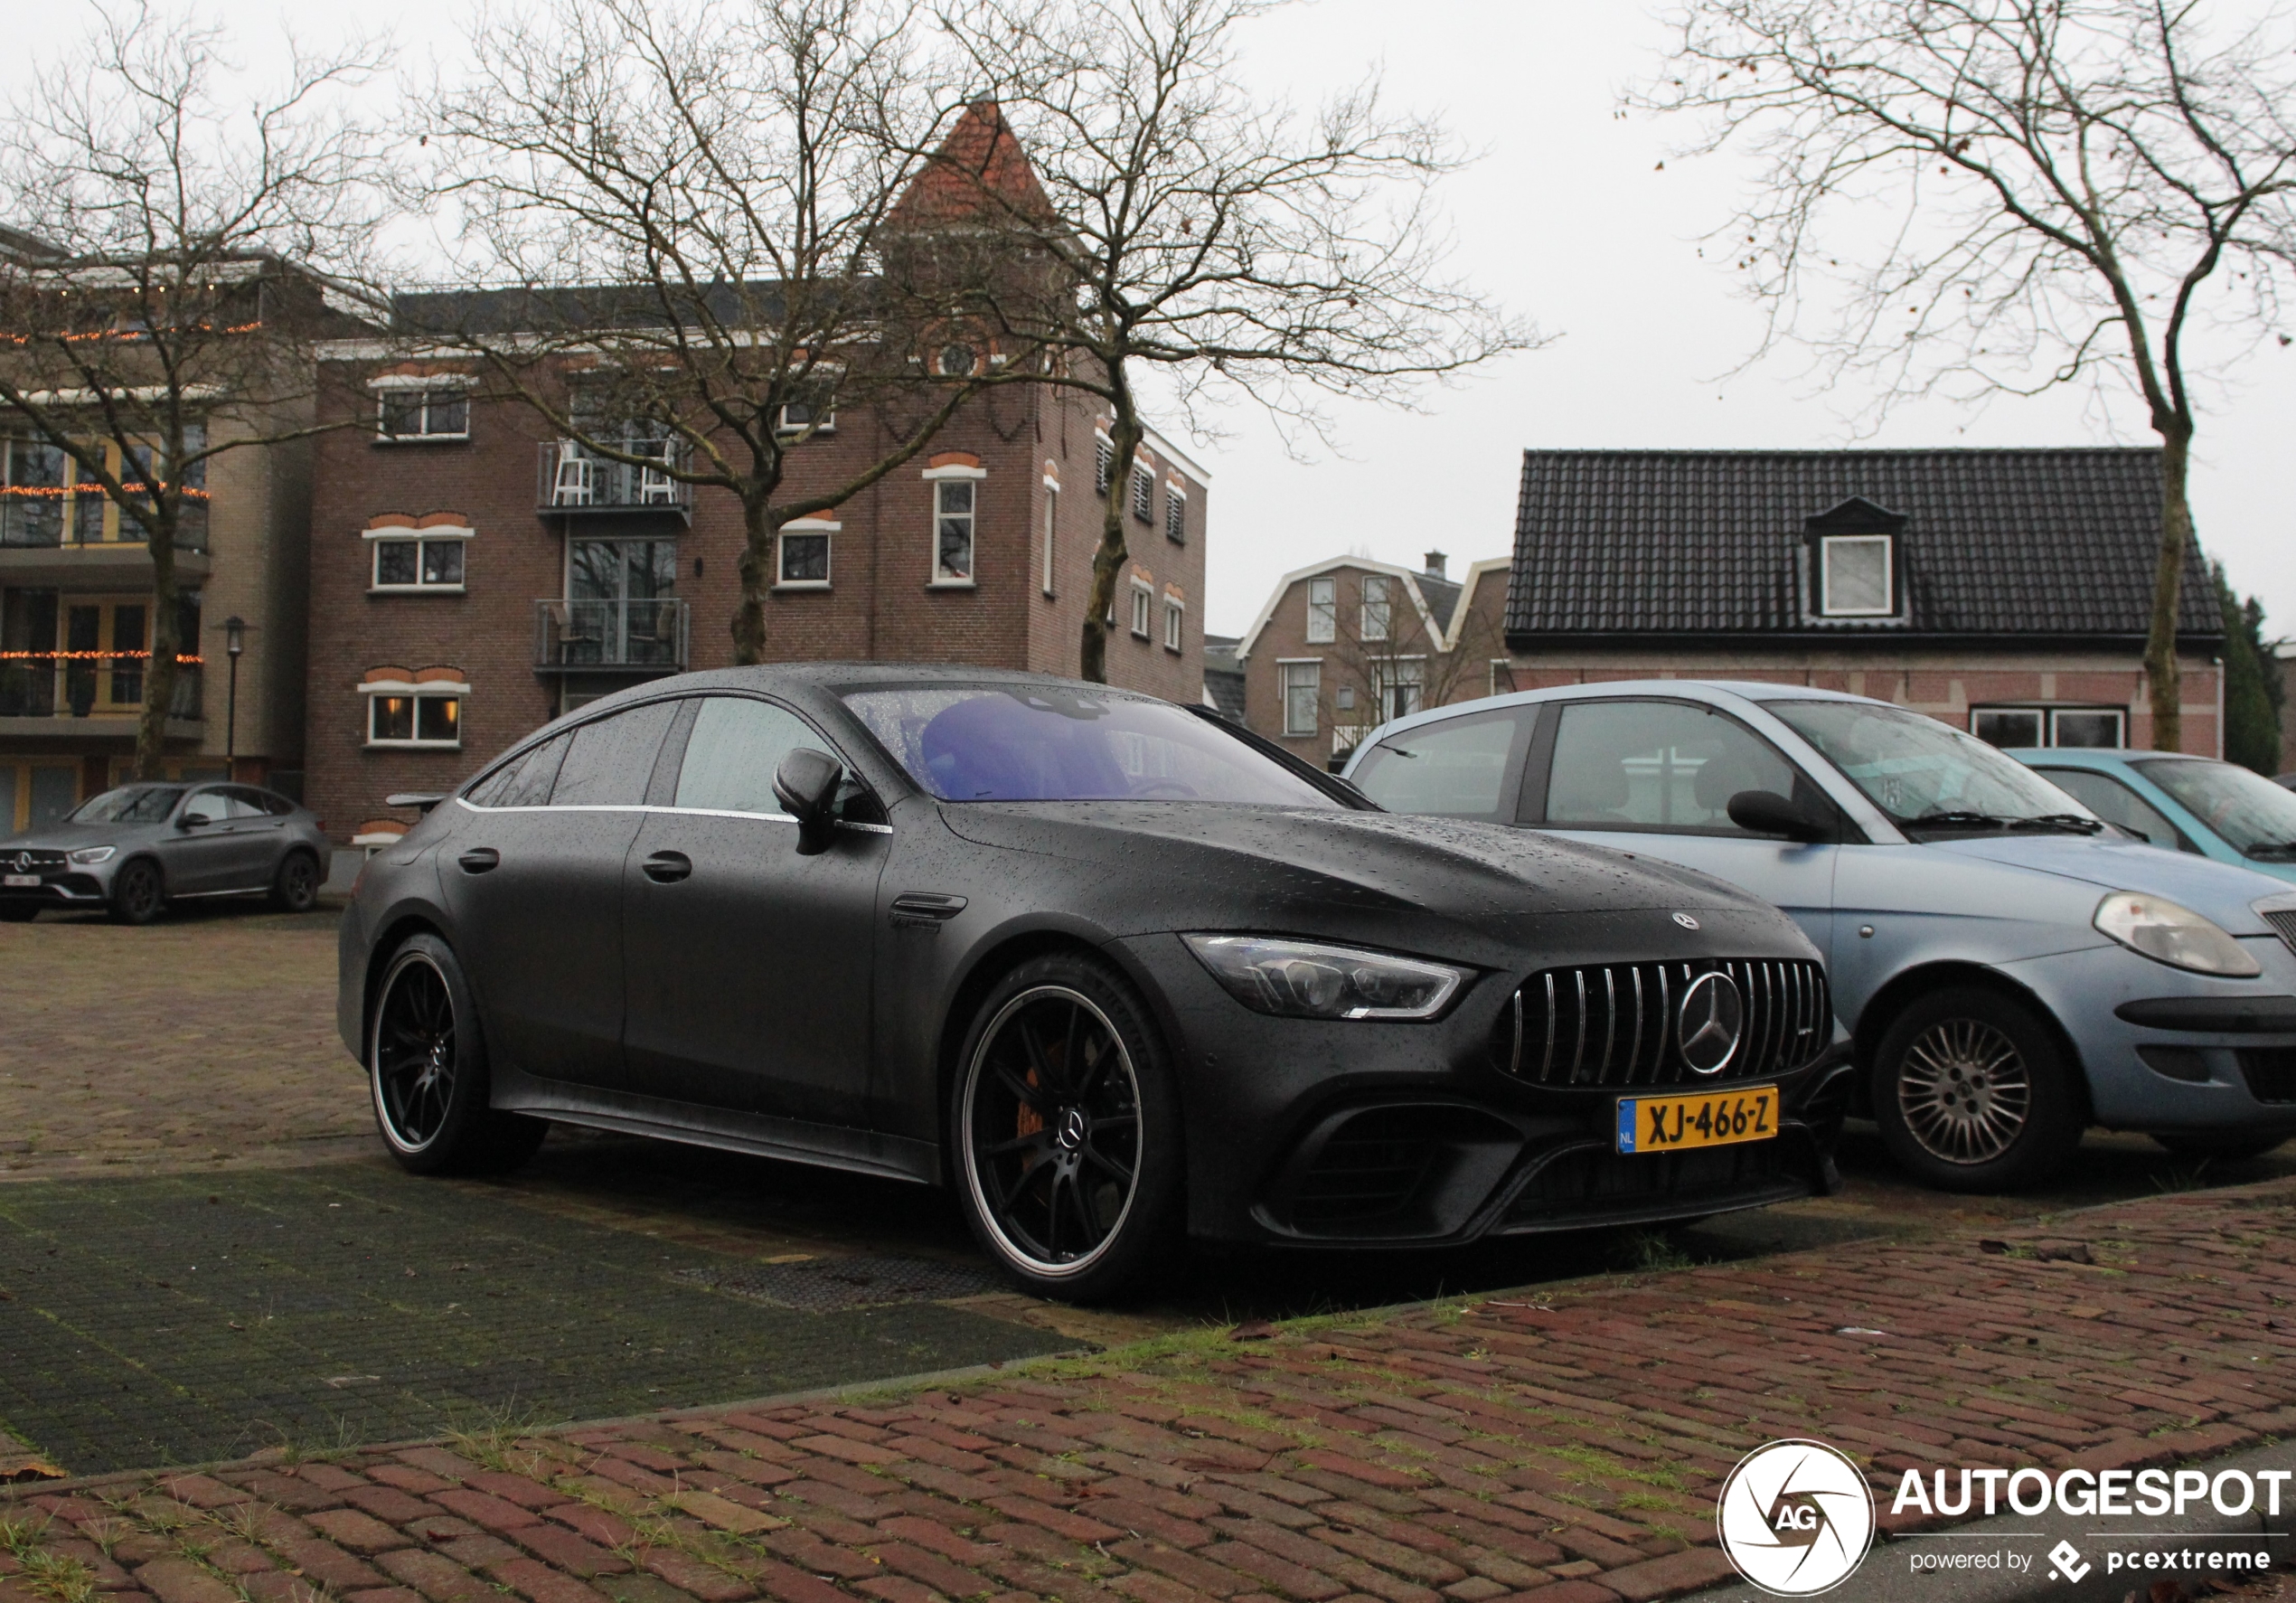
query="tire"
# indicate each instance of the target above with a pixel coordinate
(296, 888)
(427, 1070)
(1074, 1188)
(1973, 1092)
(2232, 1145)
(18, 912)
(139, 895)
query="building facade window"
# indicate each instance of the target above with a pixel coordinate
(409, 413)
(1854, 576)
(953, 509)
(2028, 727)
(410, 718)
(804, 557)
(1400, 683)
(433, 562)
(1175, 627)
(804, 417)
(1052, 522)
(1323, 611)
(1104, 462)
(1143, 495)
(1303, 693)
(1141, 601)
(1175, 514)
(1376, 608)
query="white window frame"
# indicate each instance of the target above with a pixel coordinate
(1104, 461)
(1399, 672)
(434, 690)
(395, 388)
(2048, 716)
(1888, 544)
(827, 530)
(1323, 611)
(936, 477)
(1175, 513)
(783, 429)
(1143, 599)
(399, 535)
(2119, 716)
(1144, 493)
(1175, 623)
(1051, 524)
(1377, 617)
(1287, 681)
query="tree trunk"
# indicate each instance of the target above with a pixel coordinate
(759, 529)
(159, 669)
(2162, 677)
(1108, 561)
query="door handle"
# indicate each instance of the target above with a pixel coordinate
(479, 859)
(667, 868)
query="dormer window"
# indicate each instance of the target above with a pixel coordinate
(1855, 576)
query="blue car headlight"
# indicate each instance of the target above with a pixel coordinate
(2177, 936)
(1304, 980)
(90, 856)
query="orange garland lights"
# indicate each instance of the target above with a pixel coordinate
(89, 656)
(92, 492)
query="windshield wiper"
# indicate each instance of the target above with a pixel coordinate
(2273, 849)
(2073, 822)
(1958, 818)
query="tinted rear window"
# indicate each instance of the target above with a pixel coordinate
(610, 761)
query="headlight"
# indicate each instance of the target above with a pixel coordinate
(1298, 979)
(91, 855)
(2173, 935)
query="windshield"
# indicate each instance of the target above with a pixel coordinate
(1922, 772)
(978, 742)
(130, 804)
(2255, 817)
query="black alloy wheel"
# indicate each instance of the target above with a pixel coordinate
(427, 1070)
(1973, 1092)
(1066, 1131)
(137, 892)
(296, 888)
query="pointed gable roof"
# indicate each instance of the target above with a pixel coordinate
(979, 169)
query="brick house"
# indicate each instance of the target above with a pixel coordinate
(472, 579)
(2006, 592)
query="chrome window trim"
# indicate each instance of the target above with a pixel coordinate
(466, 802)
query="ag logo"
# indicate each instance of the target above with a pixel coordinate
(1707, 1022)
(1795, 1517)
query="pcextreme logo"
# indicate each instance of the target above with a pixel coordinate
(1795, 1517)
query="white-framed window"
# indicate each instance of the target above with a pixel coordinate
(1175, 514)
(1104, 462)
(1323, 611)
(2028, 727)
(422, 411)
(1400, 683)
(952, 513)
(1376, 608)
(415, 716)
(409, 560)
(804, 556)
(1143, 600)
(1143, 495)
(1854, 576)
(1175, 623)
(1303, 696)
(1052, 522)
(797, 417)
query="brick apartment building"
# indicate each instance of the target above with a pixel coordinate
(2006, 592)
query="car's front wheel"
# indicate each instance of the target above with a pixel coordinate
(427, 1070)
(1066, 1129)
(1973, 1092)
(137, 892)
(296, 888)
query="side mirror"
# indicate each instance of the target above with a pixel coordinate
(194, 821)
(807, 785)
(1766, 812)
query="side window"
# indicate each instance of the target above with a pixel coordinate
(524, 781)
(1656, 765)
(1460, 767)
(609, 762)
(208, 805)
(2115, 803)
(736, 746)
(246, 804)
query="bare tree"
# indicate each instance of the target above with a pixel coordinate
(695, 200)
(157, 311)
(1982, 197)
(1200, 241)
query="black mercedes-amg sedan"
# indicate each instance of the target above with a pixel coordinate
(1116, 973)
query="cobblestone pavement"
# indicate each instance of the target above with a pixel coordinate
(1565, 1447)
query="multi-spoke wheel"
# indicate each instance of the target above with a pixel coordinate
(296, 889)
(1065, 1130)
(1971, 1093)
(137, 892)
(427, 1069)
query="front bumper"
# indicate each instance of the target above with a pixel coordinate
(1363, 1134)
(72, 887)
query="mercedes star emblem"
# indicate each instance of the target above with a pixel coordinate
(1706, 1024)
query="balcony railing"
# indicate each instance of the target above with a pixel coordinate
(642, 634)
(570, 479)
(51, 521)
(87, 683)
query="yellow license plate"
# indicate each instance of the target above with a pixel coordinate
(1714, 1118)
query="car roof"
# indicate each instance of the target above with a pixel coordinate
(2100, 757)
(831, 676)
(1745, 690)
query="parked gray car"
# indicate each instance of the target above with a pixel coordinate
(135, 849)
(2010, 968)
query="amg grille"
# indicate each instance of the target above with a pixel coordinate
(1615, 1023)
(2284, 922)
(28, 861)
(2270, 1072)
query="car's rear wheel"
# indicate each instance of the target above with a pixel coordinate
(1066, 1128)
(1973, 1092)
(296, 888)
(427, 1070)
(137, 892)
(2232, 1145)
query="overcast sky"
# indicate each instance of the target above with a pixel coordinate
(1565, 219)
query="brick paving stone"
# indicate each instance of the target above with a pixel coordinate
(178, 1580)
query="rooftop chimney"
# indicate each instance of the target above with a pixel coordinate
(1435, 561)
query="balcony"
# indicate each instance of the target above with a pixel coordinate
(78, 693)
(569, 479)
(83, 541)
(610, 636)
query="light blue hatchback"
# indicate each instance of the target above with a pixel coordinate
(2187, 804)
(2009, 969)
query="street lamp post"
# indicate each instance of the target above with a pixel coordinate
(234, 643)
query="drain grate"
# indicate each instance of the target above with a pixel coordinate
(830, 1284)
